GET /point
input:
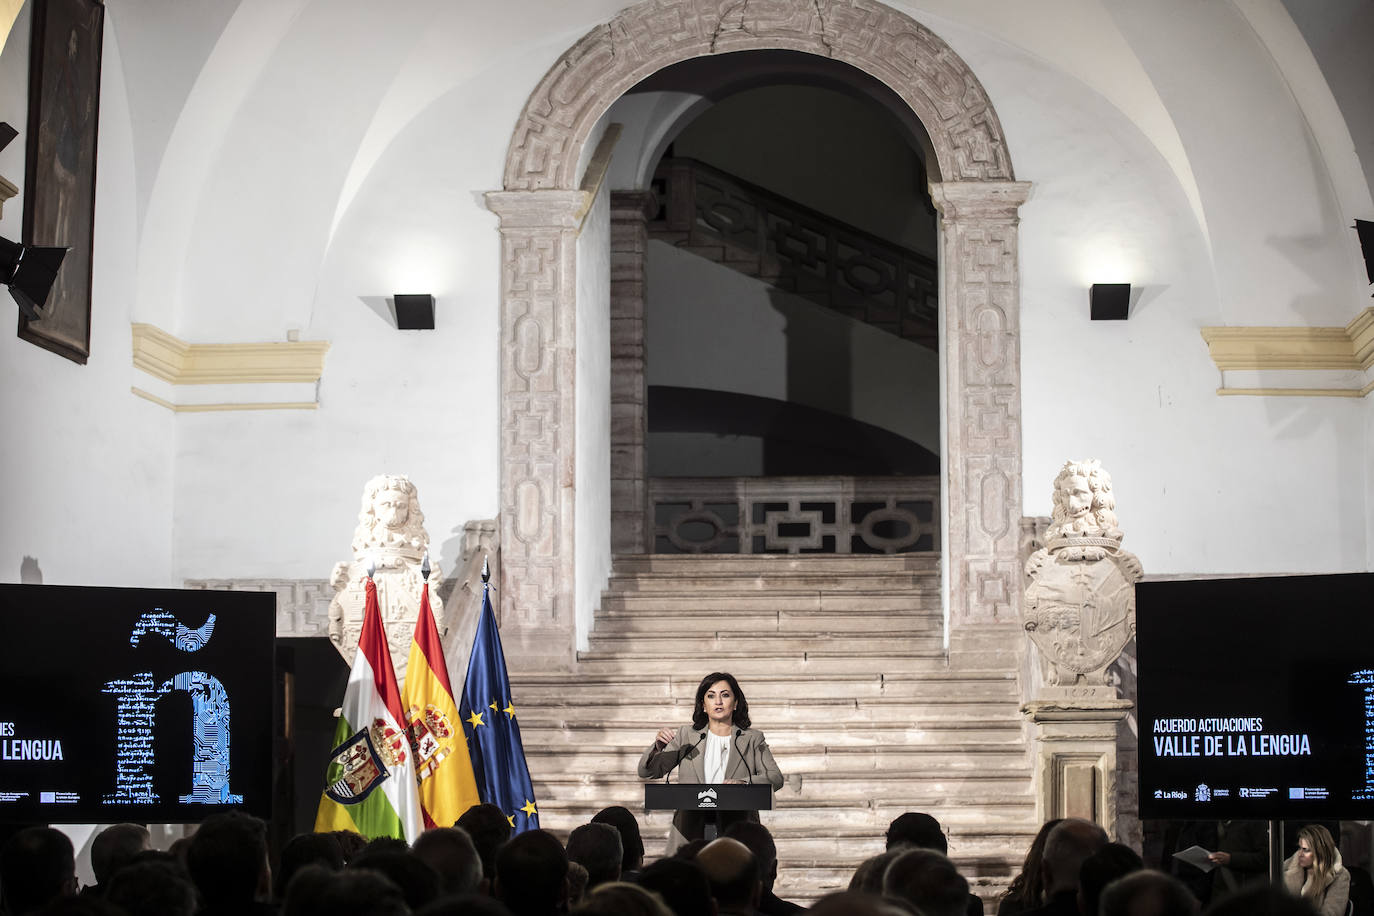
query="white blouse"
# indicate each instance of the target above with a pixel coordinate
(717, 754)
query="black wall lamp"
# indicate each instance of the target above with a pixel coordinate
(1110, 301)
(28, 272)
(414, 312)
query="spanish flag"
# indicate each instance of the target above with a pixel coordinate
(447, 787)
(370, 780)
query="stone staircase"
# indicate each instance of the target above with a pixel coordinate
(842, 661)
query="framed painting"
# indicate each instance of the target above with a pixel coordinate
(59, 174)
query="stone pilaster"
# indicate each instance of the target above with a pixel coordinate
(1076, 760)
(981, 333)
(631, 531)
(538, 410)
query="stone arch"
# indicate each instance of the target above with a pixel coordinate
(543, 203)
(923, 70)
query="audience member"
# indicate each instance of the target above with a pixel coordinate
(227, 860)
(1148, 893)
(1102, 868)
(152, 887)
(631, 843)
(452, 855)
(857, 903)
(682, 885)
(868, 877)
(307, 849)
(1315, 872)
(928, 881)
(418, 882)
(350, 843)
(620, 898)
(577, 883)
(688, 850)
(596, 847)
(920, 830)
(733, 872)
(317, 891)
(489, 830)
(1261, 900)
(112, 849)
(465, 905)
(531, 874)
(1027, 890)
(760, 843)
(37, 866)
(77, 905)
(1068, 844)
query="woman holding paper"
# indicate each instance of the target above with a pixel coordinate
(720, 746)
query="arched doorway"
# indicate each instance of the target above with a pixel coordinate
(541, 209)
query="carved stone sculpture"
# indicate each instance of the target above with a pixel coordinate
(391, 535)
(1080, 596)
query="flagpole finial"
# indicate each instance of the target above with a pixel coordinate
(424, 566)
(486, 572)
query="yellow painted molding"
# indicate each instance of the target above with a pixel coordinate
(1298, 392)
(208, 408)
(1361, 332)
(1280, 348)
(7, 191)
(173, 360)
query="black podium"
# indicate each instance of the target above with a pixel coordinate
(707, 799)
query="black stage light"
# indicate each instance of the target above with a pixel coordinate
(415, 312)
(1365, 229)
(29, 273)
(1110, 301)
(7, 134)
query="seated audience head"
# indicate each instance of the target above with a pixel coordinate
(631, 843)
(37, 865)
(1067, 846)
(596, 847)
(857, 903)
(1028, 888)
(1148, 893)
(917, 829)
(452, 855)
(152, 888)
(351, 843)
(1102, 868)
(619, 898)
(1261, 900)
(682, 885)
(734, 875)
(489, 830)
(532, 873)
(577, 883)
(760, 843)
(868, 877)
(928, 881)
(317, 891)
(114, 847)
(227, 860)
(465, 905)
(689, 849)
(307, 849)
(418, 882)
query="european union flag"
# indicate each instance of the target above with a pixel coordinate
(498, 756)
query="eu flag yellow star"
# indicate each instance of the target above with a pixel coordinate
(493, 705)
(509, 710)
(528, 808)
(475, 719)
(510, 819)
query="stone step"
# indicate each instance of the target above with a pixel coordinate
(537, 728)
(799, 603)
(755, 565)
(542, 688)
(783, 623)
(923, 583)
(747, 666)
(800, 645)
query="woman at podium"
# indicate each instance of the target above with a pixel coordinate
(718, 747)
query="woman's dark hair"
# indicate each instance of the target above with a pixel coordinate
(741, 704)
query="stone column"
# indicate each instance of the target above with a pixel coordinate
(538, 408)
(631, 527)
(980, 341)
(1076, 761)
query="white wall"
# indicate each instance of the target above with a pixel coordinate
(593, 424)
(714, 328)
(88, 465)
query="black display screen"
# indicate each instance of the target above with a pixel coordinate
(129, 704)
(1256, 697)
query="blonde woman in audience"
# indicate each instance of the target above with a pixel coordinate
(1315, 872)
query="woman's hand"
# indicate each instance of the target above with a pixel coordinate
(665, 735)
(1219, 858)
